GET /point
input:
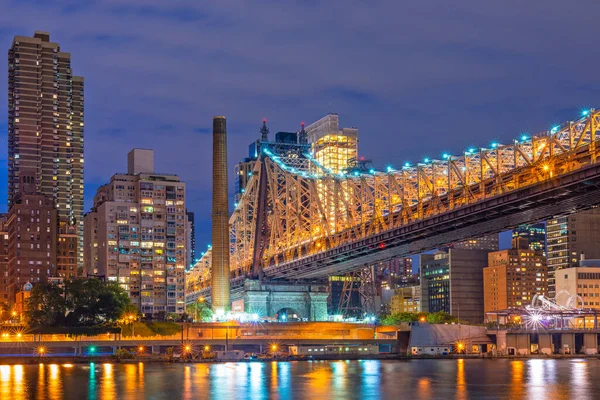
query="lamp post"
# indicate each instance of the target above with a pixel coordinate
(131, 318)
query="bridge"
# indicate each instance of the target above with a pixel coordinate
(299, 222)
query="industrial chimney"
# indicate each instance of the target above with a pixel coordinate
(220, 220)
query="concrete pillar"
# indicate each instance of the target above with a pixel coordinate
(220, 289)
(318, 306)
(568, 343)
(590, 341)
(545, 343)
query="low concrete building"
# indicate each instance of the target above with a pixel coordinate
(444, 339)
(581, 281)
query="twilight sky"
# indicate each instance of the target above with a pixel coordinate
(417, 78)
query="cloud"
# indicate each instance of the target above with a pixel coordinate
(417, 78)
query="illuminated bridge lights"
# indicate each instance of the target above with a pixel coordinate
(346, 209)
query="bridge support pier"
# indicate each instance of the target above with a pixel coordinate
(272, 298)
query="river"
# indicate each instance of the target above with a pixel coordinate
(414, 380)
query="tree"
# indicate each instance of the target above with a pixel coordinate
(440, 317)
(4, 312)
(395, 319)
(93, 302)
(46, 305)
(200, 311)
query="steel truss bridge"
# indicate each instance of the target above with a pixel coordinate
(298, 222)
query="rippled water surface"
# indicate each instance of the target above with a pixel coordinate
(418, 379)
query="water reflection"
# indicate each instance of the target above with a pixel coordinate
(461, 381)
(92, 382)
(108, 383)
(54, 382)
(517, 379)
(418, 379)
(424, 388)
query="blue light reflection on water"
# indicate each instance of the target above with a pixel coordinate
(368, 379)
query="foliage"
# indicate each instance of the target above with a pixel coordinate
(394, 319)
(140, 328)
(440, 317)
(45, 306)
(123, 354)
(93, 301)
(150, 329)
(79, 302)
(5, 313)
(431, 318)
(200, 311)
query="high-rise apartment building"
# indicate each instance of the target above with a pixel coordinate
(332, 147)
(136, 235)
(45, 126)
(535, 235)
(489, 242)
(3, 258)
(190, 239)
(569, 239)
(32, 236)
(452, 282)
(66, 247)
(514, 276)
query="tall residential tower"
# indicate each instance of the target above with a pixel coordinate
(45, 127)
(136, 235)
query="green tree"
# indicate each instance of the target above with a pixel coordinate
(200, 311)
(94, 302)
(395, 319)
(46, 306)
(440, 317)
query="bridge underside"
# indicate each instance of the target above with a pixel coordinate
(569, 193)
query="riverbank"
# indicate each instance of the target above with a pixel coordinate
(162, 359)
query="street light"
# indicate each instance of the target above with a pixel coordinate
(131, 318)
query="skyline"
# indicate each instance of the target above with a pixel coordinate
(386, 87)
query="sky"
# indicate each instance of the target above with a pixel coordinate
(417, 78)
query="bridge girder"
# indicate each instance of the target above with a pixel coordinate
(313, 217)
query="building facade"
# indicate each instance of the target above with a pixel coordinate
(451, 281)
(489, 242)
(406, 299)
(191, 240)
(32, 224)
(66, 247)
(570, 239)
(4, 258)
(332, 147)
(514, 276)
(136, 235)
(46, 126)
(583, 281)
(535, 235)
